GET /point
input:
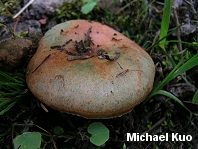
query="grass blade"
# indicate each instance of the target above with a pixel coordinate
(165, 21)
(167, 94)
(178, 70)
(170, 33)
(8, 105)
(195, 97)
(12, 87)
(186, 66)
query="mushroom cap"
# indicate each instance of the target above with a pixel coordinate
(93, 87)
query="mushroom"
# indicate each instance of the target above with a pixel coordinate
(88, 69)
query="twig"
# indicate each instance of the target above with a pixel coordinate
(191, 5)
(24, 7)
(87, 40)
(122, 73)
(119, 65)
(154, 126)
(15, 23)
(81, 57)
(103, 54)
(61, 47)
(178, 31)
(41, 63)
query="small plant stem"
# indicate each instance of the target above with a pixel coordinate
(178, 32)
(154, 126)
(157, 42)
(124, 7)
(9, 13)
(109, 14)
(15, 23)
(145, 10)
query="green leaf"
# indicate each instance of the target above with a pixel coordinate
(99, 133)
(12, 86)
(28, 140)
(8, 105)
(192, 62)
(58, 130)
(195, 97)
(88, 7)
(164, 37)
(178, 70)
(165, 21)
(167, 94)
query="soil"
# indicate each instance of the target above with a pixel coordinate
(160, 115)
